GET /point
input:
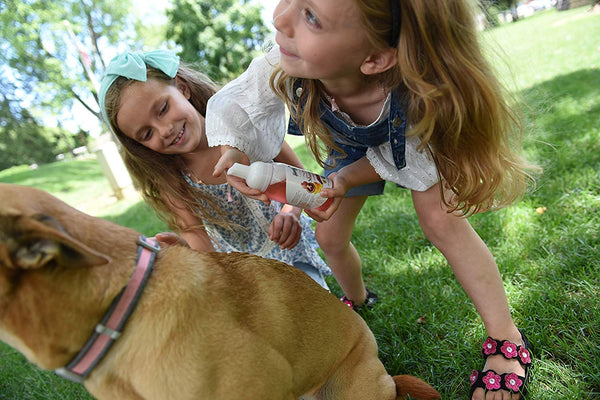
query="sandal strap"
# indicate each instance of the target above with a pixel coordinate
(347, 302)
(507, 349)
(370, 299)
(492, 381)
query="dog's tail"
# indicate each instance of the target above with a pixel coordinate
(415, 387)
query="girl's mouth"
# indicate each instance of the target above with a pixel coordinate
(286, 52)
(179, 136)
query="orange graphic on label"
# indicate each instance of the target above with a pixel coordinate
(312, 187)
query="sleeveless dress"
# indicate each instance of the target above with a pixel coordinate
(254, 218)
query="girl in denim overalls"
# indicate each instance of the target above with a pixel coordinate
(393, 90)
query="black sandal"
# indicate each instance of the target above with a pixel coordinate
(489, 380)
(371, 299)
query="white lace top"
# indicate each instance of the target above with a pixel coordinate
(246, 114)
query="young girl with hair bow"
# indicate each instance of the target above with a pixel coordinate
(155, 106)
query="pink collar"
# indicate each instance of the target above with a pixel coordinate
(111, 326)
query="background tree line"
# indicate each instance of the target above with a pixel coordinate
(53, 54)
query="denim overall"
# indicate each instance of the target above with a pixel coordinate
(355, 140)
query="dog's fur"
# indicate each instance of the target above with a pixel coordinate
(208, 325)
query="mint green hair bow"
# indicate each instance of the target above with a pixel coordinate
(132, 65)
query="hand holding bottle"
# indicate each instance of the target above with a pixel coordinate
(284, 183)
(229, 156)
(335, 194)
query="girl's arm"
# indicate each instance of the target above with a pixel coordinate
(287, 222)
(196, 238)
(247, 114)
(287, 155)
(419, 173)
(358, 173)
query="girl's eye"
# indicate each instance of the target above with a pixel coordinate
(311, 19)
(147, 135)
(163, 109)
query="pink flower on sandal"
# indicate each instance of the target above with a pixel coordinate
(473, 377)
(512, 382)
(509, 350)
(489, 346)
(492, 381)
(525, 356)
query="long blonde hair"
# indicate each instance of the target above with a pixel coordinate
(160, 176)
(457, 106)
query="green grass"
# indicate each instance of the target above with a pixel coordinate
(550, 262)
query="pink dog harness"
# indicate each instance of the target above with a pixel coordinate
(111, 326)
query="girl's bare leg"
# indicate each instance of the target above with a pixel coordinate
(334, 237)
(477, 272)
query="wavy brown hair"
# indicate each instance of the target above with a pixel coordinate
(457, 106)
(159, 177)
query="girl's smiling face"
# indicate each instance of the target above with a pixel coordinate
(159, 116)
(320, 39)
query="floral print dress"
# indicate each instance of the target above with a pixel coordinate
(255, 217)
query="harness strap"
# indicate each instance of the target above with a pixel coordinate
(111, 326)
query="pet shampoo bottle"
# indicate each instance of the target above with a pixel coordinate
(284, 183)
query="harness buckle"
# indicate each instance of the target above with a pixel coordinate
(104, 330)
(155, 247)
(69, 375)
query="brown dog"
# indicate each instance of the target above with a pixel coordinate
(207, 325)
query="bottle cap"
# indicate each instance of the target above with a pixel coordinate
(257, 175)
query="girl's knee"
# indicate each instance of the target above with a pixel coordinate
(432, 224)
(330, 238)
(440, 226)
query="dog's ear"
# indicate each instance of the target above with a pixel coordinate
(35, 241)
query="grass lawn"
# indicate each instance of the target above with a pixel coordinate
(547, 245)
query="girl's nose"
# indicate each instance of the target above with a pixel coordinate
(281, 17)
(165, 131)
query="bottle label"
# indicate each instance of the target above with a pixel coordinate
(303, 188)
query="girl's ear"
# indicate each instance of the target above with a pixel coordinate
(183, 87)
(379, 62)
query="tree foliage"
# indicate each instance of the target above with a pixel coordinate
(220, 37)
(50, 58)
(22, 139)
(53, 53)
(50, 65)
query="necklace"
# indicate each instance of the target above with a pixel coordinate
(190, 174)
(345, 116)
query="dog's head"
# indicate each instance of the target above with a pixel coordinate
(37, 256)
(34, 234)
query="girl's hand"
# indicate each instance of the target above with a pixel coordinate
(320, 216)
(229, 156)
(285, 229)
(337, 192)
(166, 239)
(239, 184)
(340, 186)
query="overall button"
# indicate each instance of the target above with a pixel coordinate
(397, 122)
